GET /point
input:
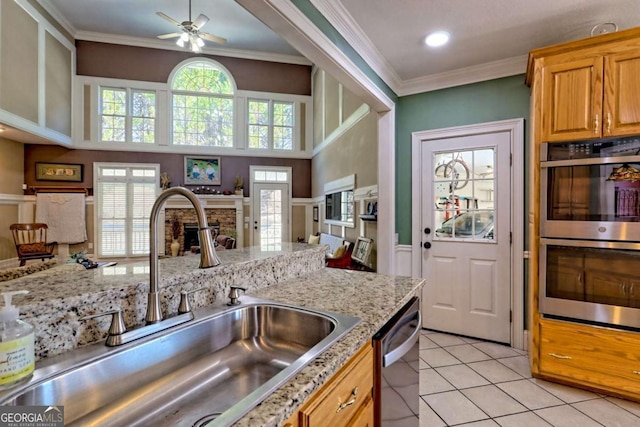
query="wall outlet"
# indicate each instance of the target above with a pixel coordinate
(24, 186)
(90, 245)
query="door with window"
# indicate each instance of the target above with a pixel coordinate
(466, 219)
(124, 194)
(271, 201)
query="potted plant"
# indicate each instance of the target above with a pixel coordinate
(238, 182)
(175, 234)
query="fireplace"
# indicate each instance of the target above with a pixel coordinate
(190, 234)
(220, 219)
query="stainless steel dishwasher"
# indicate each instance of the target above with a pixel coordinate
(392, 342)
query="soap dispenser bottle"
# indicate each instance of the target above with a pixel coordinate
(17, 360)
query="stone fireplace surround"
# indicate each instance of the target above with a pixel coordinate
(225, 217)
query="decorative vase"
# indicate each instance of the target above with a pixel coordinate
(239, 192)
(175, 247)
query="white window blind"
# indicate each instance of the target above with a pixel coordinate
(125, 196)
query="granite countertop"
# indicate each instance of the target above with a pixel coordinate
(374, 298)
(60, 296)
(294, 274)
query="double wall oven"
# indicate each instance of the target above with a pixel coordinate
(590, 231)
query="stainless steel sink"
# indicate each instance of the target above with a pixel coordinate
(215, 368)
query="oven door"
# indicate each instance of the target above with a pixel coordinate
(593, 281)
(590, 192)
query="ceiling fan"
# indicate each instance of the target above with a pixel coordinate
(191, 32)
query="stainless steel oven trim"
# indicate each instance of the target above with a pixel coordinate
(582, 310)
(598, 244)
(590, 161)
(597, 230)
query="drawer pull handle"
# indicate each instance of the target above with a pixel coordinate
(354, 396)
(636, 372)
(559, 356)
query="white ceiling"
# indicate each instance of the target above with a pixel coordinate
(490, 38)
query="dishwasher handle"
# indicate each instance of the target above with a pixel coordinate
(391, 357)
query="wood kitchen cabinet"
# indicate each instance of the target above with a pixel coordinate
(589, 91)
(595, 358)
(582, 90)
(345, 400)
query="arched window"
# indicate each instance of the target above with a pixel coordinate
(202, 104)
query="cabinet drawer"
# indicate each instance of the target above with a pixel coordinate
(594, 356)
(345, 394)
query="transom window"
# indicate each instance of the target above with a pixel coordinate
(127, 115)
(202, 105)
(270, 124)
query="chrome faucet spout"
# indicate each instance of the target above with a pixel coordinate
(208, 257)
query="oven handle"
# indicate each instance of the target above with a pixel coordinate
(393, 356)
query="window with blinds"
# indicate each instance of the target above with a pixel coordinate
(124, 195)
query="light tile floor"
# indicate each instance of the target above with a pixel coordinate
(446, 380)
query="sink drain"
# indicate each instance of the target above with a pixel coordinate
(206, 419)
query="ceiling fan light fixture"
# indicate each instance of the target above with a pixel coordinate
(199, 42)
(184, 37)
(180, 42)
(437, 39)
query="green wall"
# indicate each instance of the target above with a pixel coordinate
(501, 99)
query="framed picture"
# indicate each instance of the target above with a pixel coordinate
(201, 170)
(362, 250)
(58, 172)
(315, 213)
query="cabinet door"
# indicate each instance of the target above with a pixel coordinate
(341, 399)
(572, 100)
(622, 94)
(364, 417)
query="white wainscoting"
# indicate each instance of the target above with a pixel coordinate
(403, 260)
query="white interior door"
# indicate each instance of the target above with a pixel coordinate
(270, 215)
(466, 222)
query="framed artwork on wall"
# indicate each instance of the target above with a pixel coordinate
(201, 170)
(58, 172)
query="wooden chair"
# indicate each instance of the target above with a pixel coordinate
(31, 242)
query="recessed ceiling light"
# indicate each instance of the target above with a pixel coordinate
(437, 39)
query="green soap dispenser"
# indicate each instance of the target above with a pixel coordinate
(17, 357)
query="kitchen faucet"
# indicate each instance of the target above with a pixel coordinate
(208, 257)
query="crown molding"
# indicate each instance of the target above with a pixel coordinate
(343, 22)
(52, 10)
(462, 76)
(163, 44)
(296, 28)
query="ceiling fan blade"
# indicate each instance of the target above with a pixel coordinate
(200, 21)
(170, 35)
(213, 38)
(173, 21)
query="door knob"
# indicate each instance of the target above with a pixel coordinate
(427, 230)
(426, 245)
